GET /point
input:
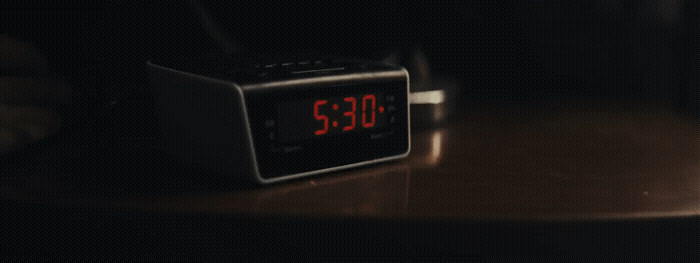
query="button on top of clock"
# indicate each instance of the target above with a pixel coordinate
(281, 69)
(292, 66)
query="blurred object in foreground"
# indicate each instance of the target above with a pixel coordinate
(26, 96)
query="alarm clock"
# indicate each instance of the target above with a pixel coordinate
(276, 121)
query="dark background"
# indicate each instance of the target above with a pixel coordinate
(500, 52)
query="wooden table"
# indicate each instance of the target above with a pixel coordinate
(495, 163)
(514, 163)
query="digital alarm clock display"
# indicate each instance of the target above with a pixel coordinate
(304, 129)
(277, 121)
(307, 119)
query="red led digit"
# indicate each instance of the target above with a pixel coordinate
(321, 117)
(350, 113)
(364, 110)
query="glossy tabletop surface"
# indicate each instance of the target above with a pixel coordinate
(491, 163)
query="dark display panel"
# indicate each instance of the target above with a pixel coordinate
(298, 130)
(329, 116)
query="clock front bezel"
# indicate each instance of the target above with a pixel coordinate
(276, 159)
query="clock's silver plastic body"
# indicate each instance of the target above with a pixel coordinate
(205, 119)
